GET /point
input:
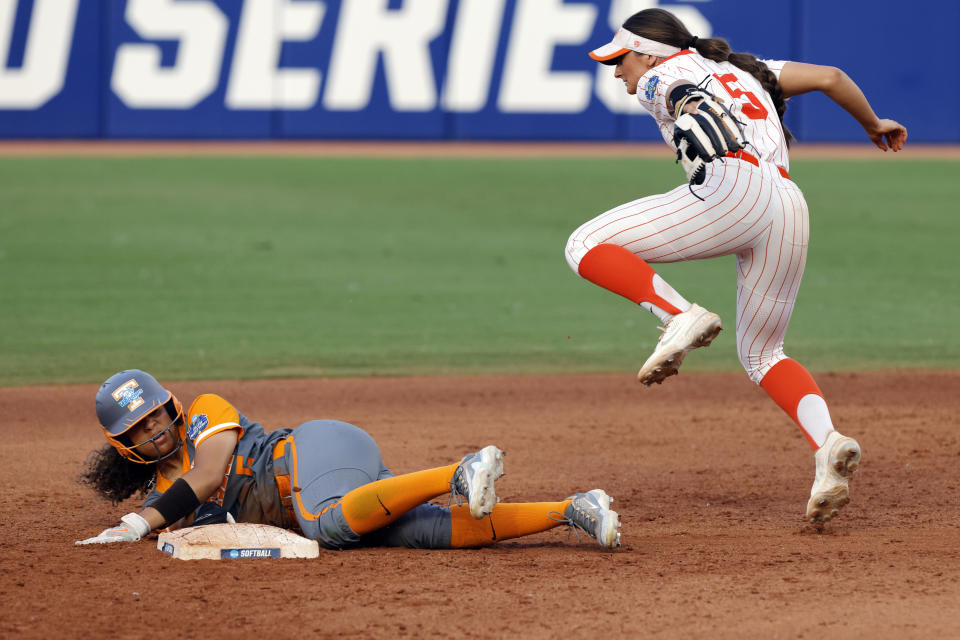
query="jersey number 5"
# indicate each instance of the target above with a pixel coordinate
(755, 110)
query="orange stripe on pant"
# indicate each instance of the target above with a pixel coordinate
(505, 522)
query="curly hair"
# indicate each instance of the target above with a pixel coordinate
(662, 26)
(114, 477)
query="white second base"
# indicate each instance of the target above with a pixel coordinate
(235, 541)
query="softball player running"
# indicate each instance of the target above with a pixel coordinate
(722, 112)
(324, 479)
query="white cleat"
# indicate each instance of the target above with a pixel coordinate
(685, 332)
(474, 480)
(837, 460)
(590, 512)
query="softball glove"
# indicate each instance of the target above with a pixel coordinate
(702, 137)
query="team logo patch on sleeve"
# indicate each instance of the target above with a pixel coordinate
(650, 88)
(198, 424)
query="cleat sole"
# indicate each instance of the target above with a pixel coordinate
(610, 531)
(670, 367)
(483, 497)
(704, 339)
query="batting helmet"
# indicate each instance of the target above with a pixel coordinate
(126, 398)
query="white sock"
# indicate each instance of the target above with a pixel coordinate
(668, 293)
(657, 311)
(814, 418)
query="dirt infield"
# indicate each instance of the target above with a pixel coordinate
(381, 149)
(709, 476)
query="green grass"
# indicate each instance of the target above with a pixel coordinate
(255, 267)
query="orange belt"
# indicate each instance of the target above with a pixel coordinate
(743, 155)
(284, 487)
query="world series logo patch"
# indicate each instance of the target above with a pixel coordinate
(650, 88)
(197, 425)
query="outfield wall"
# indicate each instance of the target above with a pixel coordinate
(430, 69)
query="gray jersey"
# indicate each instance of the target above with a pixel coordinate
(249, 490)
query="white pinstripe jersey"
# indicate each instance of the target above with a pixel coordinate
(742, 94)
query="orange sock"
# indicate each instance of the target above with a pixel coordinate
(507, 521)
(618, 270)
(375, 505)
(793, 388)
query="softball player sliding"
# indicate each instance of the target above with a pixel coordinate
(324, 479)
(723, 113)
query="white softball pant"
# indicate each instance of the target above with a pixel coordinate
(751, 211)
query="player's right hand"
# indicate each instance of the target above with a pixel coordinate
(132, 527)
(894, 132)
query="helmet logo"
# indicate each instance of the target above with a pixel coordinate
(128, 395)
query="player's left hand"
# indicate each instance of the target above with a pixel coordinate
(132, 527)
(888, 134)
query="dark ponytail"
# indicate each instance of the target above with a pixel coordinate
(116, 478)
(662, 26)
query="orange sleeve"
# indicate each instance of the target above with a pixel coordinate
(210, 414)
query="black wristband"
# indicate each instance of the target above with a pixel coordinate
(177, 501)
